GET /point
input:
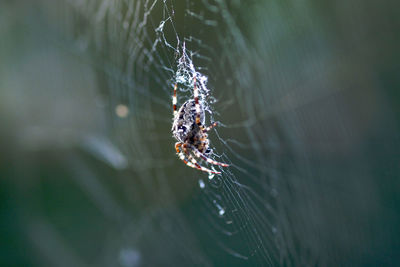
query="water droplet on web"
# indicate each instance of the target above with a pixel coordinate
(221, 211)
(274, 230)
(210, 176)
(201, 184)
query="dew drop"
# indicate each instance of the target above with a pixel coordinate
(201, 184)
(221, 211)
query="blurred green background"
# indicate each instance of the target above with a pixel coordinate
(308, 96)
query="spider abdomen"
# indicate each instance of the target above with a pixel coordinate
(184, 126)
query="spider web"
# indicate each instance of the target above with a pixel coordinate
(271, 206)
(147, 47)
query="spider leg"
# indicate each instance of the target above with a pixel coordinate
(174, 100)
(210, 127)
(193, 163)
(202, 156)
(196, 101)
(198, 166)
(177, 146)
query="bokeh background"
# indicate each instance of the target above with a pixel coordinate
(307, 94)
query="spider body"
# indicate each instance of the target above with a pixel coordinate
(184, 126)
(189, 130)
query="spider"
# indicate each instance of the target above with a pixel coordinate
(189, 130)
